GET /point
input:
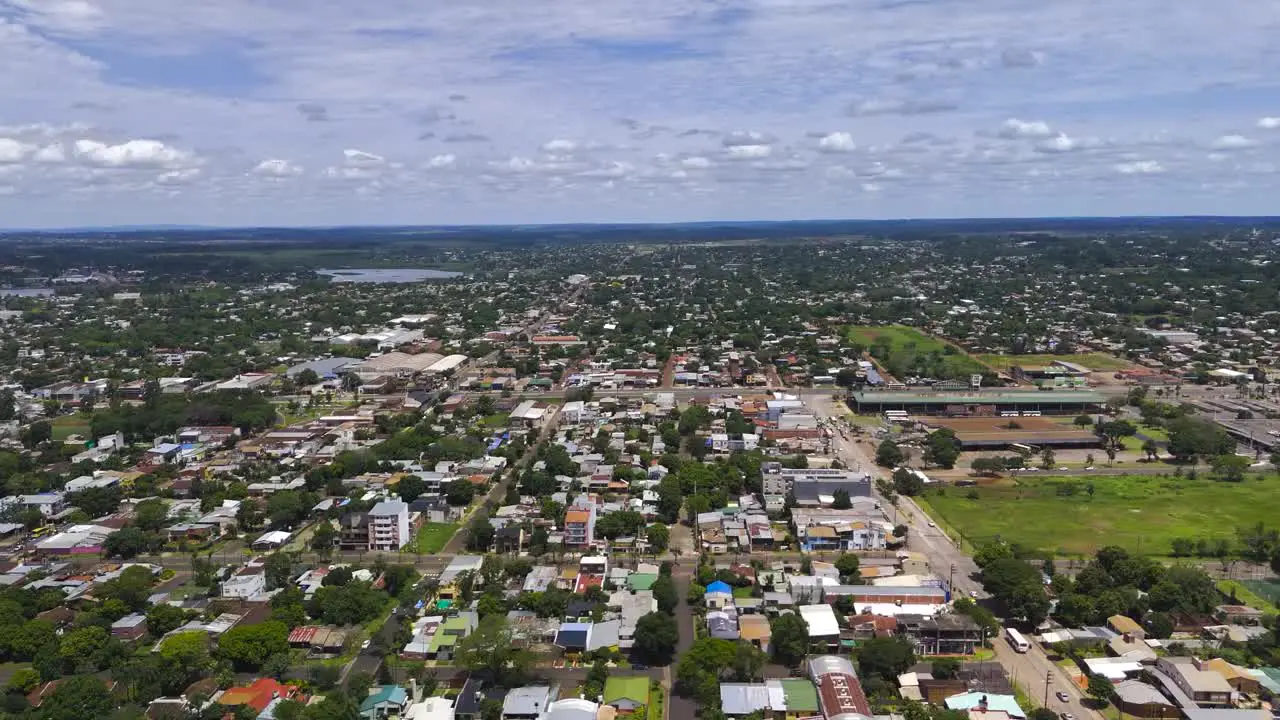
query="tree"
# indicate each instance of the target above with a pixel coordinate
(748, 662)
(249, 515)
(847, 566)
(248, 646)
(1083, 420)
(1151, 448)
(888, 454)
(490, 650)
(1197, 438)
(699, 672)
(846, 377)
(1230, 468)
(82, 647)
(789, 639)
(942, 448)
(410, 487)
(278, 569)
(1046, 459)
(76, 698)
(460, 493)
(1159, 625)
(480, 535)
(946, 668)
(906, 482)
(36, 433)
(656, 637)
(187, 652)
(885, 657)
(151, 515)
(664, 592)
(307, 377)
(164, 618)
(841, 500)
(1100, 688)
(132, 587)
(1042, 714)
(324, 538)
(126, 543)
(659, 537)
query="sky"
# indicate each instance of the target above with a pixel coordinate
(332, 112)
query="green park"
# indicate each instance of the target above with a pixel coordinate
(1074, 516)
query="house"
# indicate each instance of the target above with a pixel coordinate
(987, 702)
(1140, 700)
(259, 694)
(626, 694)
(754, 629)
(130, 627)
(718, 595)
(943, 634)
(575, 637)
(580, 525)
(840, 694)
(572, 709)
(471, 699)
(1126, 626)
(389, 525)
(824, 629)
(385, 701)
(1189, 686)
(722, 625)
(1238, 615)
(529, 702)
(244, 586)
(1237, 677)
(432, 708)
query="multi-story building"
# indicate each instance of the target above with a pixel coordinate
(389, 525)
(580, 525)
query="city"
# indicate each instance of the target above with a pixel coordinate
(668, 478)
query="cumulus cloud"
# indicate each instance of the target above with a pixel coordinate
(837, 142)
(1232, 142)
(360, 158)
(749, 152)
(1060, 143)
(277, 168)
(178, 177)
(1013, 128)
(1269, 123)
(1139, 167)
(695, 163)
(442, 161)
(131, 154)
(12, 151)
(889, 106)
(51, 154)
(559, 146)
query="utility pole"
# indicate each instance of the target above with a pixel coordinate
(950, 576)
(1048, 675)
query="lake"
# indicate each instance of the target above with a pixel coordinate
(387, 275)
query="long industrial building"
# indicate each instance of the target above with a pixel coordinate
(963, 403)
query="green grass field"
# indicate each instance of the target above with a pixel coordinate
(432, 538)
(1094, 361)
(1143, 513)
(1245, 595)
(68, 425)
(1267, 590)
(912, 352)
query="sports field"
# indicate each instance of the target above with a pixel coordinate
(1094, 361)
(1143, 513)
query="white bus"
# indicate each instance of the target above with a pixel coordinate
(1015, 639)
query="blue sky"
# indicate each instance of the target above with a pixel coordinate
(233, 112)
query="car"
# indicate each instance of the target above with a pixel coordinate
(932, 524)
(1063, 696)
(1091, 468)
(1068, 716)
(1064, 467)
(973, 593)
(365, 645)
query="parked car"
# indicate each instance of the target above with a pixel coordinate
(1063, 696)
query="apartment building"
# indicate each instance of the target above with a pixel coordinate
(580, 525)
(389, 525)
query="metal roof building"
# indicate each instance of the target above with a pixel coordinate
(933, 401)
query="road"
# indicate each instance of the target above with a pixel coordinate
(947, 560)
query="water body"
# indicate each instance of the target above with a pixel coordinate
(387, 275)
(26, 292)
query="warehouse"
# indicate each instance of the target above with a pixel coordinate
(977, 402)
(997, 433)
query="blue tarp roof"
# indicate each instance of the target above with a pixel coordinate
(719, 586)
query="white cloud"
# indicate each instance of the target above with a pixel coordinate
(889, 106)
(51, 154)
(614, 169)
(12, 151)
(749, 152)
(1232, 142)
(442, 161)
(1060, 143)
(1139, 167)
(131, 154)
(695, 163)
(1014, 128)
(277, 168)
(362, 159)
(837, 142)
(178, 177)
(1269, 123)
(559, 146)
